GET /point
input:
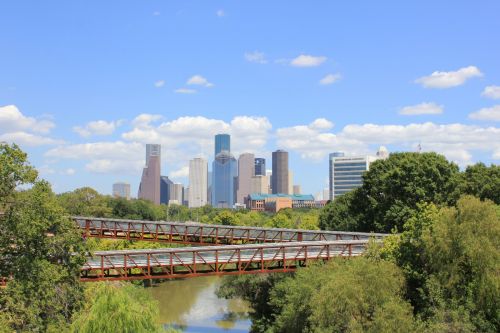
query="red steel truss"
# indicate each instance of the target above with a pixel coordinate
(213, 260)
(205, 234)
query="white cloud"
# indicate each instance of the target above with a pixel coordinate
(185, 91)
(422, 108)
(199, 81)
(12, 120)
(491, 92)
(108, 166)
(98, 127)
(180, 173)
(69, 172)
(144, 119)
(220, 13)
(28, 139)
(103, 157)
(449, 79)
(304, 60)
(256, 56)
(330, 78)
(456, 141)
(492, 114)
(159, 83)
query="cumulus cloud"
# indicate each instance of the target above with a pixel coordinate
(256, 56)
(330, 78)
(450, 79)
(422, 108)
(103, 157)
(456, 141)
(180, 173)
(12, 120)
(185, 91)
(98, 127)
(159, 83)
(491, 114)
(69, 172)
(199, 81)
(28, 139)
(144, 119)
(491, 92)
(305, 60)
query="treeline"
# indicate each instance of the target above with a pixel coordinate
(439, 273)
(88, 202)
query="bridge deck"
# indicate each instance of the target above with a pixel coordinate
(205, 234)
(213, 260)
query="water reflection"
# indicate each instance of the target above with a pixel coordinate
(192, 305)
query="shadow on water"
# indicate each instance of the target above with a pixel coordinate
(192, 306)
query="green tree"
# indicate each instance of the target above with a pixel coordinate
(339, 214)
(40, 250)
(391, 191)
(482, 181)
(358, 295)
(85, 201)
(117, 308)
(451, 259)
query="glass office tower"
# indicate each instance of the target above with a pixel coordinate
(224, 172)
(222, 143)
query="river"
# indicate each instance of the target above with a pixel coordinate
(192, 306)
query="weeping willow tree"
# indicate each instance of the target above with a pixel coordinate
(117, 307)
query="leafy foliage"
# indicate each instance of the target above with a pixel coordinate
(482, 182)
(117, 308)
(358, 295)
(391, 191)
(40, 250)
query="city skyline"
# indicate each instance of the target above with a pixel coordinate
(84, 108)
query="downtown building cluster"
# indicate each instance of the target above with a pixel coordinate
(244, 182)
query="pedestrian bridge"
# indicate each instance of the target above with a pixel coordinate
(214, 260)
(205, 234)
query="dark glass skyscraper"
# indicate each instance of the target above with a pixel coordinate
(222, 142)
(224, 172)
(165, 186)
(280, 177)
(260, 167)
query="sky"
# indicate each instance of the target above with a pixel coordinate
(84, 85)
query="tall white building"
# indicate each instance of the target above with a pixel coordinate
(121, 190)
(290, 182)
(346, 172)
(198, 182)
(176, 194)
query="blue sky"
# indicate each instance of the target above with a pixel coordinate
(85, 84)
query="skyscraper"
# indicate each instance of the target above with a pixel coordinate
(280, 172)
(149, 188)
(176, 194)
(224, 172)
(260, 185)
(246, 170)
(152, 150)
(260, 166)
(121, 190)
(198, 182)
(222, 142)
(165, 184)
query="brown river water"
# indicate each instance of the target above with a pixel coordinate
(192, 306)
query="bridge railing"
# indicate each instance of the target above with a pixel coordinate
(213, 260)
(205, 234)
